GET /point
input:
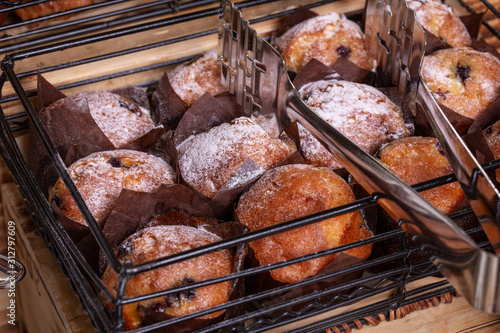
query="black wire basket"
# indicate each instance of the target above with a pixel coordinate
(383, 284)
(47, 22)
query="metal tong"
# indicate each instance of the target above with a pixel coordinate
(256, 74)
(11, 272)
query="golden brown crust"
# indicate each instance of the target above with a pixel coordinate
(191, 80)
(208, 160)
(326, 38)
(417, 159)
(101, 176)
(442, 21)
(463, 79)
(292, 191)
(50, 7)
(161, 241)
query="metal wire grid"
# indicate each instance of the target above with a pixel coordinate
(112, 17)
(258, 317)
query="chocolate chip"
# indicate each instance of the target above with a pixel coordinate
(344, 51)
(157, 307)
(115, 162)
(124, 249)
(489, 130)
(463, 72)
(173, 300)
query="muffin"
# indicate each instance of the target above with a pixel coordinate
(442, 21)
(326, 38)
(120, 119)
(49, 7)
(161, 241)
(101, 176)
(418, 159)
(360, 112)
(492, 136)
(191, 80)
(209, 159)
(290, 192)
(462, 79)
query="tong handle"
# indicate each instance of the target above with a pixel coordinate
(11, 272)
(482, 194)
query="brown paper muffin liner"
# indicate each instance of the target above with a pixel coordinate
(169, 107)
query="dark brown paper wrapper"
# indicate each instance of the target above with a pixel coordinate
(169, 107)
(314, 70)
(423, 127)
(131, 208)
(75, 230)
(487, 118)
(207, 112)
(352, 72)
(480, 149)
(300, 14)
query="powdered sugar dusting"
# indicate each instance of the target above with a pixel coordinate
(361, 112)
(442, 21)
(121, 120)
(321, 37)
(167, 240)
(469, 95)
(191, 80)
(210, 159)
(101, 176)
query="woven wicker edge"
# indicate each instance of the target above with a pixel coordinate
(398, 313)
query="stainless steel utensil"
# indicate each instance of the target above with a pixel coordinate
(256, 74)
(11, 272)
